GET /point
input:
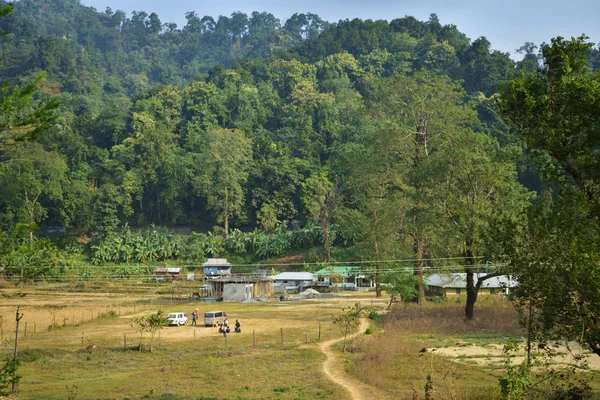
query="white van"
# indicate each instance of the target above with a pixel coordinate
(177, 318)
(212, 317)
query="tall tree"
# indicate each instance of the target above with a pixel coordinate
(224, 167)
(319, 197)
(30, 177)
(479, 184)
(426, 113)
(555, 111)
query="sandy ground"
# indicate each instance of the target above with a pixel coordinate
(492, 354)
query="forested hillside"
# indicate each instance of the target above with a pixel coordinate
(382, 137)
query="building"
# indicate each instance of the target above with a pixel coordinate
(240, 288)
(456, 284)
(292, 281)
(344, 277)
(215, 267)
(166, 274)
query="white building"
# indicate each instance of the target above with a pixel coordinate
(292, 281)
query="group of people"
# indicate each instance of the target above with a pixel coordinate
(225, 329)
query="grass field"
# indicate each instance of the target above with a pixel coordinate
(80, 345)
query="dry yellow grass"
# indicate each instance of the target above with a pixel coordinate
(83, 357)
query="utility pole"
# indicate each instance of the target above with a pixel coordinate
(18, 318)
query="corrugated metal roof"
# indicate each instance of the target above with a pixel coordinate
(216, 262)
(459, 281)
(342, 270)
(294, 276)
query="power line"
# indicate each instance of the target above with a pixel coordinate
(324, 264)
(149, 278)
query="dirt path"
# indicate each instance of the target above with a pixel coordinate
(334, 370)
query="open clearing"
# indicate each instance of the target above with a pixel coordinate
(82, 345)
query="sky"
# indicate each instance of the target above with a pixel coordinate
(507, 24)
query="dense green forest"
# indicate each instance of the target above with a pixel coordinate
(365, 141)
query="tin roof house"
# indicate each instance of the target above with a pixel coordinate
(292, 281)
(456, 284)
(216, 267)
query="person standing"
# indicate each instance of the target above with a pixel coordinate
(194, 317)
(237, 327)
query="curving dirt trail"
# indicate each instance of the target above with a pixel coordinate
(334, 370)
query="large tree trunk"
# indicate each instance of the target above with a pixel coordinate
(226, 212)
(226, 226)
(326, 238)
(419, 252)
(472, 289)
(377, 266)
(420, 148)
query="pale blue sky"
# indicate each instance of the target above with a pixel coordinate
(507, 24)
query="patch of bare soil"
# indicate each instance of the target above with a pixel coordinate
(492, 354)
(333, 368)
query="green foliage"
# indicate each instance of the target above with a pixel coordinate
(154, 244)
(24, 263)
(553, 252)
(303, 123)
(402, 285)
(22, 117)
(150, 323)
(199, 246)
(518, 379)
(539, 377)
(347, 321)
(8, 375)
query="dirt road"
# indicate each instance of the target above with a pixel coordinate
(334, 370)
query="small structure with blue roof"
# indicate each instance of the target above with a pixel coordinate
(217, 267)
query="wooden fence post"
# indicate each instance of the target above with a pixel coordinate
(281, 331)
(319, 331)
(25, 329)
(125, 340)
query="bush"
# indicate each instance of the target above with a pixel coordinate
(373, 316)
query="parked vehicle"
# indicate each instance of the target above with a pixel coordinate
(177, 318)
(212, 317)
